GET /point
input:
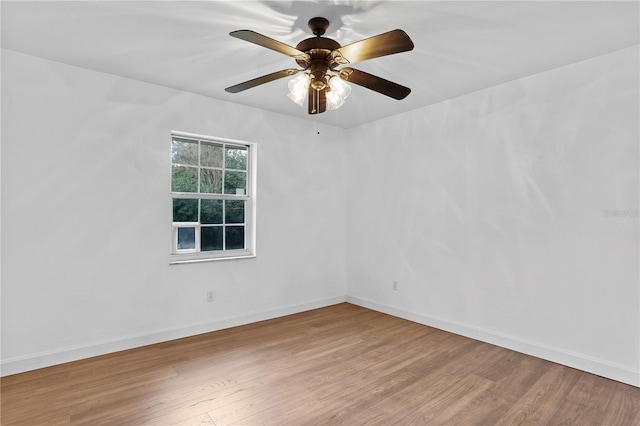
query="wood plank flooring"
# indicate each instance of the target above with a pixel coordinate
(340, 365)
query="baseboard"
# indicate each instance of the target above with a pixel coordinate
(582, 362)
(75, 353)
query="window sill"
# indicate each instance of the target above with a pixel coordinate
(177, 259)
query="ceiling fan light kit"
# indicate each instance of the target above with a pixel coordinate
(319, 57)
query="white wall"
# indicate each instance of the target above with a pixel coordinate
(489, 211)
(86, 215)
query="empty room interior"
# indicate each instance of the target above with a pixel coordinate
(320, 212)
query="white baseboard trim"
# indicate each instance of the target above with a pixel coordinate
(579, 361)
(60, 356)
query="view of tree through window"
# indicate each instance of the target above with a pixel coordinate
(209, 189)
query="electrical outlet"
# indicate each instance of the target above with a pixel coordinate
(395, 285)
(211, 296)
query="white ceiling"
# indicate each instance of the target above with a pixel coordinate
(460, 46)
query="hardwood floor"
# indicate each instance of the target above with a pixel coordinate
(340, 365)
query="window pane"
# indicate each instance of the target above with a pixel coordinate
(210, 154)
(234, 211)
(184, 152)
(235, 183)
(211, 238)
(186, 238)
(211, 211)
(236, 157)
(235, 237)
(185, 210)
(184, 179)
(211, 181)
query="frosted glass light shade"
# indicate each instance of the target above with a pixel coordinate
(339, 87)
(334, 101)
(338, 93)
(298, 88)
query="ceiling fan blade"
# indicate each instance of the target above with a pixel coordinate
(269, 43)
(375, 83)
(388, 43)
(261, 80)
(317, 100)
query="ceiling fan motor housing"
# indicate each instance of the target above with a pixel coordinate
(318, 48)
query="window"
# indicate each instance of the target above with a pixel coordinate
(213, 198)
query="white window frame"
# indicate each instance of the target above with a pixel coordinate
(195, 255)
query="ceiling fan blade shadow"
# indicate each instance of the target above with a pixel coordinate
(375, 83)
(317, 100)
(269, 43)
(388, 43)
(261, 80)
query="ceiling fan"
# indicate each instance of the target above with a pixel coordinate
(319, 58)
